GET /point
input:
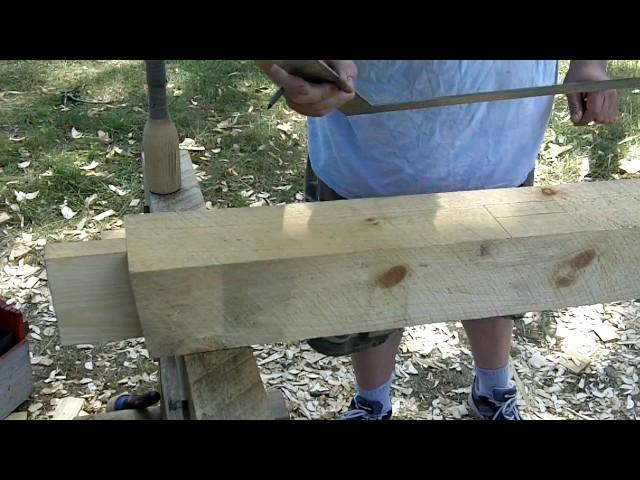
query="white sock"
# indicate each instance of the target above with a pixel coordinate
(381, 394)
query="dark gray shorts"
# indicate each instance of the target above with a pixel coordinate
(315, 190)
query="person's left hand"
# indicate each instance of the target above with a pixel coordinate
(600, 107)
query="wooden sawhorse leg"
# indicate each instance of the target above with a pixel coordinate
(225, 384)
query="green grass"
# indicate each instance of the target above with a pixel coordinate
(210, 101)
(601, 148)
(221, 105)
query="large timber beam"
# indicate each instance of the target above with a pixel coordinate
(211, 280)
(91, 291)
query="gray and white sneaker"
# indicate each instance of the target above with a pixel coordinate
(501, 405)
(361, 409)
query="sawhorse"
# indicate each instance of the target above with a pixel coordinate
(224, 384)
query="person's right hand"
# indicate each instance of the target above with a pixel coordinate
(315, 99)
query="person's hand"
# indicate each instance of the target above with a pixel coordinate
(599, 107)
(315, 99)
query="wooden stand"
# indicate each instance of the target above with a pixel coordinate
(221, 385)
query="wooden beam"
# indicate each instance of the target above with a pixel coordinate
(91, 291)
(212, 280)
(16, 382)
(535, 264)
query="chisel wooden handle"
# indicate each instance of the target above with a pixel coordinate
(160, 137)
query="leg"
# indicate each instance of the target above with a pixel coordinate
(374, 367)
(490, 340)
(493, 395)
(374, 373)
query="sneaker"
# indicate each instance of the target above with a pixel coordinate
(349, 344)
(502, 405)
(361, 409)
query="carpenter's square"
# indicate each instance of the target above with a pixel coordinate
(317, 71)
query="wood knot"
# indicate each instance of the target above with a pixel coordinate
(392, 277)
(550, 192)
(569, 270)
(372, 221)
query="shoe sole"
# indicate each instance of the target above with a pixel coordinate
(474, 409)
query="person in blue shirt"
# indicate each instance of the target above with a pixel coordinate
(454, 148)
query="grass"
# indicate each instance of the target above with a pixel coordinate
(221, 105)
(600, 148)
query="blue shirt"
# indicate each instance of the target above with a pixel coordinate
(453, 148)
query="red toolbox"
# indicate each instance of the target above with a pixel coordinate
(16, 382)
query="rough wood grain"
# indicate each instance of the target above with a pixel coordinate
(91, 291)
(226, 385)
(245, 276)
(528, 263)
